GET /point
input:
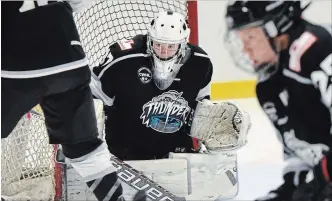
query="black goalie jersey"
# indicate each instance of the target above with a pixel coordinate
(142, 119)
(298, 98)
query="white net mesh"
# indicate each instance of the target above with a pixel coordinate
(109, 21)
(28, 169)
(27, 164)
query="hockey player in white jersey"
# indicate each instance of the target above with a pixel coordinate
(44, 63)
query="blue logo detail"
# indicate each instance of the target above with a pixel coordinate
(165, 124)
(166, 113)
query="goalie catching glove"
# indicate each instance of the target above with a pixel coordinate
(220, 126)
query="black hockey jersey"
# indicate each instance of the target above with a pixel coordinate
(298, 98)
(142, 117)
(38, 39)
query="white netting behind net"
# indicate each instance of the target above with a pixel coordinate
(27, 166)
(112, 20)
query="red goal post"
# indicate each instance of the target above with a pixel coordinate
(193, 21)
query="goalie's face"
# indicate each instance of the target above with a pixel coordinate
(164, 50)
(251, 49)
(165, 63)
(166, 58)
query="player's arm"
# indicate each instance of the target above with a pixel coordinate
(316, 60)
(311, 52)
(103, 77)
(320, 55)
(203, 93)
(273, 99)
(322, 79)
(205, 89)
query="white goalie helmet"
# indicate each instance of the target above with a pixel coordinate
(168, 35)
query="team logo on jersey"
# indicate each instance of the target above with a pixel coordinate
(166, 113)
(144, 74)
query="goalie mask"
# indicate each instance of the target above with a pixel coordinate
(167, 39)
(252, 29)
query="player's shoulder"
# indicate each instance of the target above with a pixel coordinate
(323, 32)
(198, 63)
(124, 49)
(311, 47)
(120, 51)
(320, 35)
(200, 57)
(315, 37)
(198, 52)
(129, 46)
(322, 45)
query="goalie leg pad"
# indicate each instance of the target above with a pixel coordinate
(211, 176)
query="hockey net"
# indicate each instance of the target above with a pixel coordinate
(28, 171)
(28, 167)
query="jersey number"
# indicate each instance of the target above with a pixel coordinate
(322, 79)
(29, 5)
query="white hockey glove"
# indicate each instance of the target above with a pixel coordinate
(311, 154)
(220, 126)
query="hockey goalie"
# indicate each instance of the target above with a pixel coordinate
(156, 90)
(210, 173)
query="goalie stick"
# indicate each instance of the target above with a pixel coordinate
(180, 177)
(138, 181)
(139, 184)
(222, 181)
